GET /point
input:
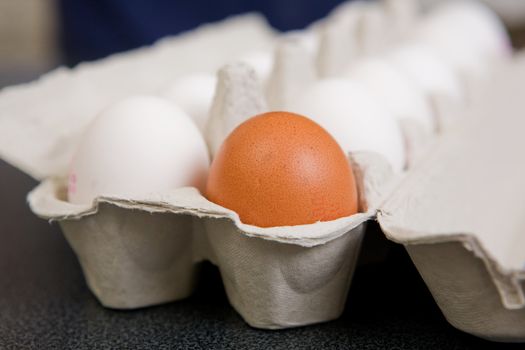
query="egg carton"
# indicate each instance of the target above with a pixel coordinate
(143, 251)
(137, 252)
(459, 215)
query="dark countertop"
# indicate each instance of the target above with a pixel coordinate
(44, 301)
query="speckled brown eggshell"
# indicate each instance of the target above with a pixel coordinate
(282, 169)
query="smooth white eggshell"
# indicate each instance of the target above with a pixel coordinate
(467, 34)
(427, 71)
(194, 94)
(394, 90)
(354, 118)
(476, 26)
(139, 145)
(462, 58)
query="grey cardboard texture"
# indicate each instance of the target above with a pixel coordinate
(457, 210)
(460, 214)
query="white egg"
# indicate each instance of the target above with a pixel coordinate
(463, 59)
(261, 62)
(194, 94)
(138, 145)
(431, 74)
(477, 25)
(467, 35)
(354, 118)
(394, 91)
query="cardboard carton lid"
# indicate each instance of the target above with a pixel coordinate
(470, 187)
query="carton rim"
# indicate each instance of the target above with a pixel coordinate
(45, 195)
(509, 282)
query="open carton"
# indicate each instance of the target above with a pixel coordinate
(459, 213)
(143, 251)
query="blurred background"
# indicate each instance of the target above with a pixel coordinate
(38, 35)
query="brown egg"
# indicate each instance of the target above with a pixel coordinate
(282, 169)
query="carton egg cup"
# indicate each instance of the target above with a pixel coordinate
(141, 252)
